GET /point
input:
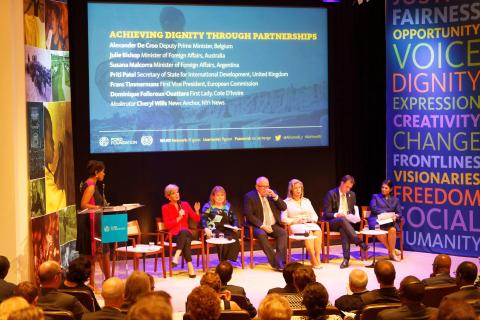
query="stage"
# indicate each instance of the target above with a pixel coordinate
(257, 281)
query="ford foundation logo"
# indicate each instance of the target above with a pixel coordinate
(146, 140)
(106, 229)
(104, 141)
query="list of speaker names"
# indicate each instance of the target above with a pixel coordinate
(179, 74)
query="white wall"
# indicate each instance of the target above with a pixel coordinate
(15, 241)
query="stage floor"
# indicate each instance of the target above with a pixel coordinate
(257, 281)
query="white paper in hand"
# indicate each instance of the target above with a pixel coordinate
(354, 218)
(349, 315)
(217, 218)
(386, 217)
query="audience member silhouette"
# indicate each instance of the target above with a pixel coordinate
(50, 275)
(6, 288)
(441, 271)
(411, 294)
(357, 282)
(466, 275)
(274, 307)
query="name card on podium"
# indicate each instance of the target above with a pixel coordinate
(114, 228)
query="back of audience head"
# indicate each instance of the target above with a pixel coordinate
(315, 299)
(411, 290)
(442, 264)
(4, 267)
(303, 276)
(289, 270)
(455, 309)
(10, 305)
(49, 274)
(358, 280)
(385, 272)
(160, 294)
(28, 313)
(212, 280)
(274, 307)
(113, 290)
(79, 270)
(152, 282)
(224, 269)
(137, 283)
(27, 290)
(466, 273)
(150, 307)
(202, 304)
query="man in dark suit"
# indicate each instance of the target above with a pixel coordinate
(441, 271)
(262, 208)
(476, 307)
(357, 282)
(411, 294)
(224, 269)
(288, 276)
(456, 309)
(466, 275)
(337, 204)
(112, 292)
(27, 290)
(50, 275)
(6, 288)
(385, 273)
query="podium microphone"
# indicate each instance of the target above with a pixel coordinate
(105, 203)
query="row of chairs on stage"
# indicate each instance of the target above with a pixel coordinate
(433, 297)
(163, 240)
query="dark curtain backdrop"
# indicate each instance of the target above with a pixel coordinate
(357, 129)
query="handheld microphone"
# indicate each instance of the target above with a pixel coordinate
(180, 209)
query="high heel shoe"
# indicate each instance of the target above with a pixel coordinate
(394, 257)
(192, 275)
(174, 264)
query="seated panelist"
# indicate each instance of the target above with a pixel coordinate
(382, 203)
(303, 219)
(262, 208)
(219, 218)
(175, 216)
(337, 204)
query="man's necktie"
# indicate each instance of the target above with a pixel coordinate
(344, 203)
(266, 212)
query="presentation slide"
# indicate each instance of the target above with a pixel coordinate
(188, 77)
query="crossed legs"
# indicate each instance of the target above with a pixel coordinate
(347, 234)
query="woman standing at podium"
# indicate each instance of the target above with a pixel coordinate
(92, 199)
(175, 217)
